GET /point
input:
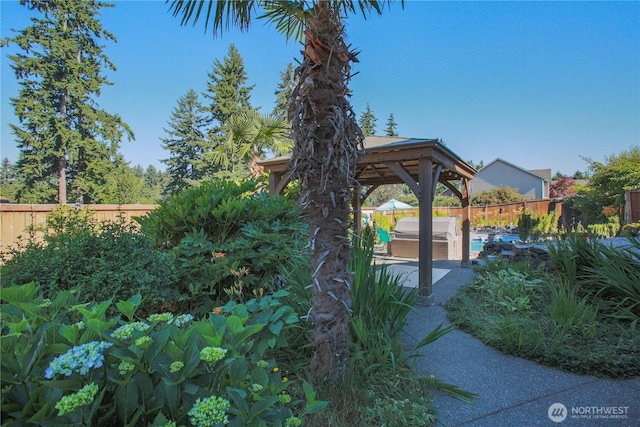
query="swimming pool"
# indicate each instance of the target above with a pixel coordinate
(477, 243)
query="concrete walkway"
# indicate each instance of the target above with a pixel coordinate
(512, 391)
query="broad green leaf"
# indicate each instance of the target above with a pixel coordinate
(235, 324)
(70, 333)
(238, 370)
(19, 294)
(129, 307)
(275, 328)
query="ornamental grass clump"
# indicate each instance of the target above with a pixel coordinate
(581, 318)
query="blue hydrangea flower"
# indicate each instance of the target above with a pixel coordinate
(80, 359)
(181, 320)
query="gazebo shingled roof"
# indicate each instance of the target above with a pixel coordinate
(419, 163)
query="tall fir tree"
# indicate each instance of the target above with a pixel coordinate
(391, 126)
(228, 94)
(155, 182)
(185, 141)
(283, 92)
(367, 122)
(63, 136)
(8, 180)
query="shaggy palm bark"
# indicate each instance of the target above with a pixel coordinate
(324, 161)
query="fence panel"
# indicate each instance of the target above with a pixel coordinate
(16, 218)
(482, 215)
(632, 206)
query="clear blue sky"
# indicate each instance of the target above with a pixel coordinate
(538, 84)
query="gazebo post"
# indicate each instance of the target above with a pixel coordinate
(425, 233)
(466, 224)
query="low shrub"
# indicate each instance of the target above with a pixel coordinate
(112, 259)
(536, 227)
(230, 240)
(66, 363)
(382, 222)
(606, 230)
(631, 230)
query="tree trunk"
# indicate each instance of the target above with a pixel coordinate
(324, 161)
(62, 180)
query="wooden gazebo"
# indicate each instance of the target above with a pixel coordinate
(419, 163)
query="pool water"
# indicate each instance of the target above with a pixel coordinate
(478, 243)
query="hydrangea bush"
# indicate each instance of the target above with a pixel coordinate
(65, 363)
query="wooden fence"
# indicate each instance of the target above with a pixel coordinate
(507, 213)
(632, 206)
(15, 219)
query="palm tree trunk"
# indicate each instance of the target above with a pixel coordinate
(324, 161)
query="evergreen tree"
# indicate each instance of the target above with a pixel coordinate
(228, 95)
(391, 126)
(185, 141)
(476, 166)
(155, 182)
(367, 122)
(62, 133)
(580, 175)
(8, 180)
(283, 92)
(125, 186)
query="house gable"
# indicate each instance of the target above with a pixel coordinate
(500, 173)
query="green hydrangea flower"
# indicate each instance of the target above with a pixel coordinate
(209, 411)
(293, 422)
(125, 367)
(80, 325)
(82, 397)
(125, 331)
(144, 341)
(257, 387)
(212, 354)
(160, 317)
(176, 366)
(284, 398)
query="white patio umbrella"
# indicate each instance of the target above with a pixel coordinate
(392, 205)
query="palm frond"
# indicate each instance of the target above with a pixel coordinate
(289, 17)
(227, 12)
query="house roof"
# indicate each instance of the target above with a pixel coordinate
(538, 173)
